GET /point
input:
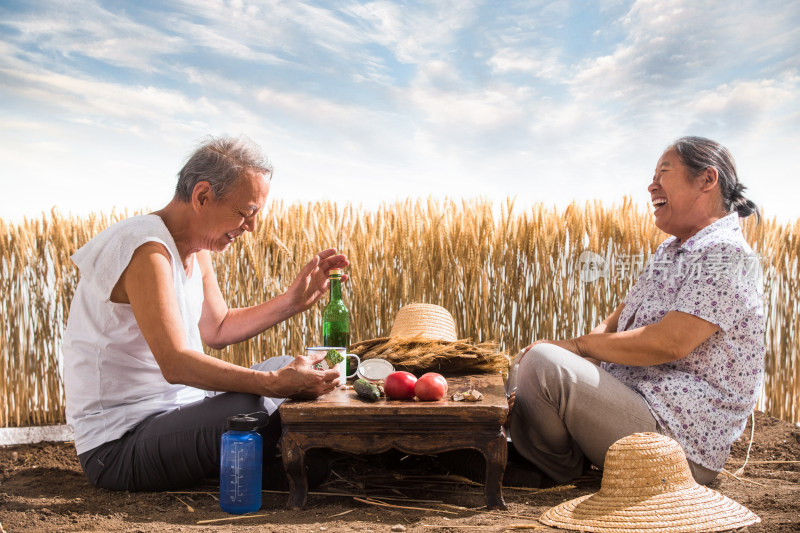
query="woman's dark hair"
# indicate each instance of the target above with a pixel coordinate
(699, 153)
(220, 161)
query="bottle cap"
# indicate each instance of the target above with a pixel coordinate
(242, 423)
(335, 272)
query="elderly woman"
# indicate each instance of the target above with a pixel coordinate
(148, 298)
(682, 355)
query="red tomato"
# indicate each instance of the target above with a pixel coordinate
(430, 387)
(400, 385)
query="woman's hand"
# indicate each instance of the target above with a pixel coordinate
(525, 350)
(312, 282)
(568, 344)
(573, 346)
(511, 398)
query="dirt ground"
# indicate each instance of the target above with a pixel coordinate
(43, 489)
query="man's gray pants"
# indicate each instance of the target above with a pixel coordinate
(181, 447)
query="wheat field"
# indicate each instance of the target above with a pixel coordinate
(508, 276)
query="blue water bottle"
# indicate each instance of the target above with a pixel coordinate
(240, 466)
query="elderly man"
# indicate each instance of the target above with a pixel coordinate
(148, 298)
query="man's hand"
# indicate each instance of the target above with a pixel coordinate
(312, 282)
(299, 379)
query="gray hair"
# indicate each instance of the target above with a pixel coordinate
(220, 161)
(698, 154)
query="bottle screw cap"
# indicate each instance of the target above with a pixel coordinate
(242, 423)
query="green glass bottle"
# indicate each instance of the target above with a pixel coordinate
(336, 317)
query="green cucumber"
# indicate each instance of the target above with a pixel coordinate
(367, 390)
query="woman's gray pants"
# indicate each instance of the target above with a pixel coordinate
(181, 447)
(567, 408)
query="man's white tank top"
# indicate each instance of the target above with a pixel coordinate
(111, 379)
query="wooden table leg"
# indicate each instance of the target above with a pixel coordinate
(293, 457)
(496, 455)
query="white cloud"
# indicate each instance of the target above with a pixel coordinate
(83, 28)
(293, 28)
(414, 34)
(388, 100)
(108, 102)
(743, 106)
(540, 63)
(675, 48)
(225, 44)
(347, 129)
(469, 120)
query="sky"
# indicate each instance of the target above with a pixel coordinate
(369, 102)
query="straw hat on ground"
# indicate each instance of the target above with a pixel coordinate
(647, 486)
(423, 337)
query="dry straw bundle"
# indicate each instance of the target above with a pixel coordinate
(505, 275)
(460, 357)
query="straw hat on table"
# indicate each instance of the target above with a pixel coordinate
(423, 337)
(647, 487)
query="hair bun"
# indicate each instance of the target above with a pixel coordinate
(743, 206)
(699, 153)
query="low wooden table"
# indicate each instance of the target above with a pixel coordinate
(342, 421)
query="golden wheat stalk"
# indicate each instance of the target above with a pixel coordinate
(507, 275)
